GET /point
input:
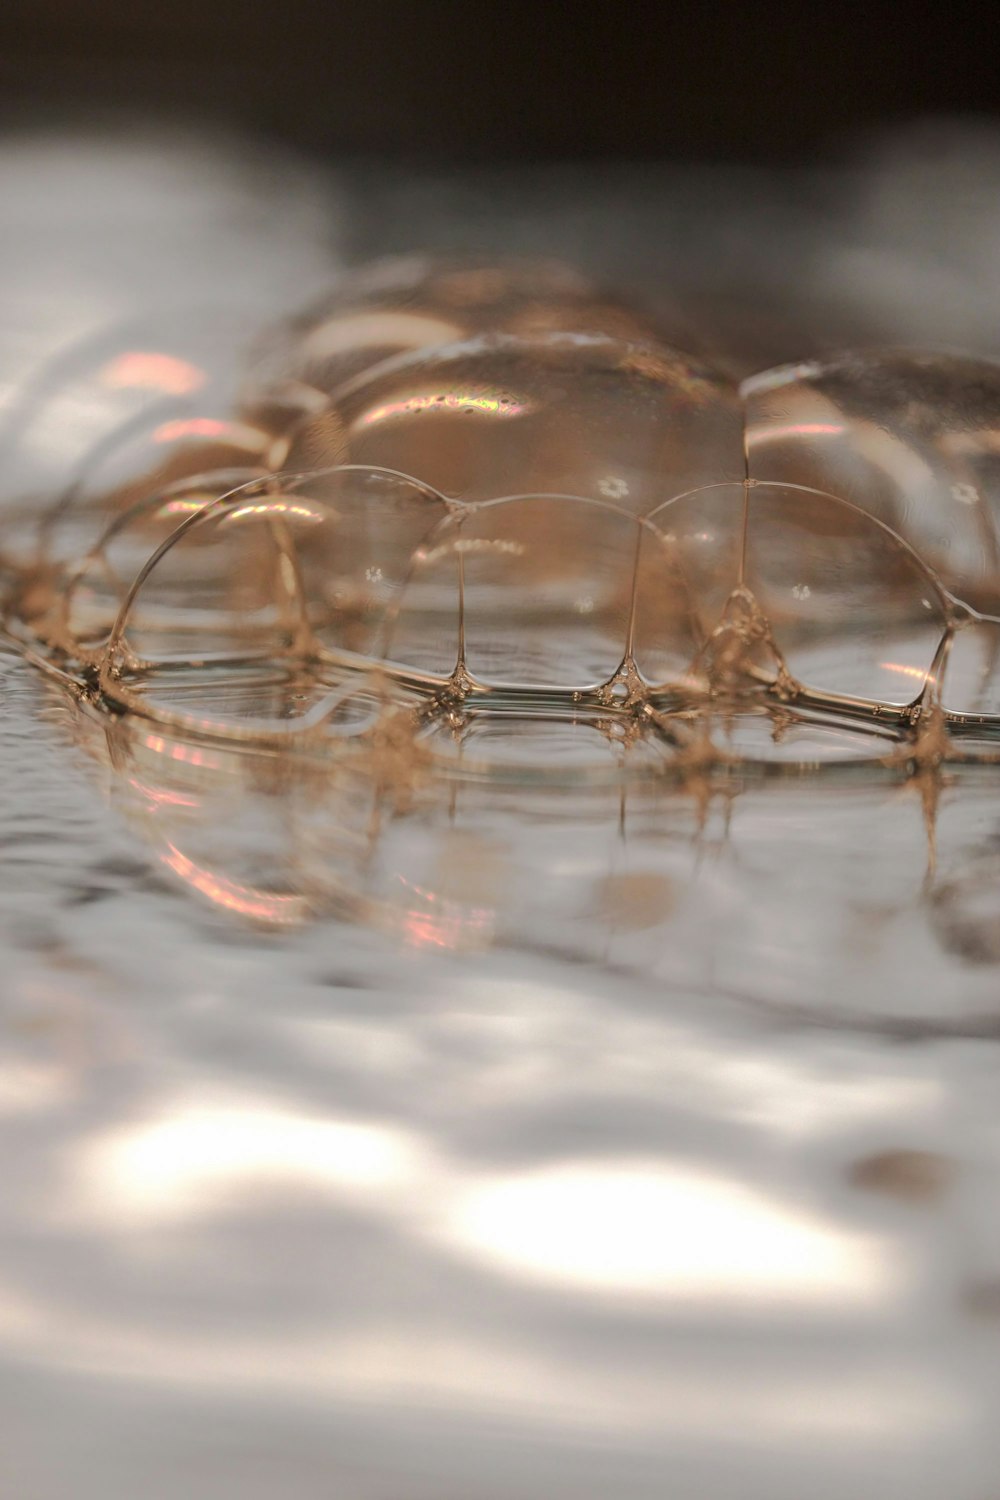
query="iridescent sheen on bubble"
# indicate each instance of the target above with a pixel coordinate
(497, 415)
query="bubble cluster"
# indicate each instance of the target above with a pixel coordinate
(458, 501)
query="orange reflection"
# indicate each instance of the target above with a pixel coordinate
(178, 751)
(794, 429)
(273, 508)
(238, 433)
(145, 370)
(184, 507)
(485, 403)
(446, 923)
(244, 899)
(161, 798)
(917, 673)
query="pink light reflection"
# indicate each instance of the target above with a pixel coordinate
(161, 798)
(246, 900)
(795, 429)
(145, 370)
(237, 433)
(447, 924)
(177, 751)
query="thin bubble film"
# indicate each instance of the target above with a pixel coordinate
(455, 489)
(406, 304)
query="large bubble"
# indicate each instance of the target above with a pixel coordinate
(409, 303)
(912, 438)
(580, 414)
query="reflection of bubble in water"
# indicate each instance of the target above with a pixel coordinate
(521, 833)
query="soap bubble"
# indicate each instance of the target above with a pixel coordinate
(409, 303)
(913, 438)
(853, 610)
(253, 600)
(575, 414)
(792, 585)
(545, 590)
(158, 369)
(79, 614)
(971, 676)
(110, 421)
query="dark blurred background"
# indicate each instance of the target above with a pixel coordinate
(787, 177)
(478, 83)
